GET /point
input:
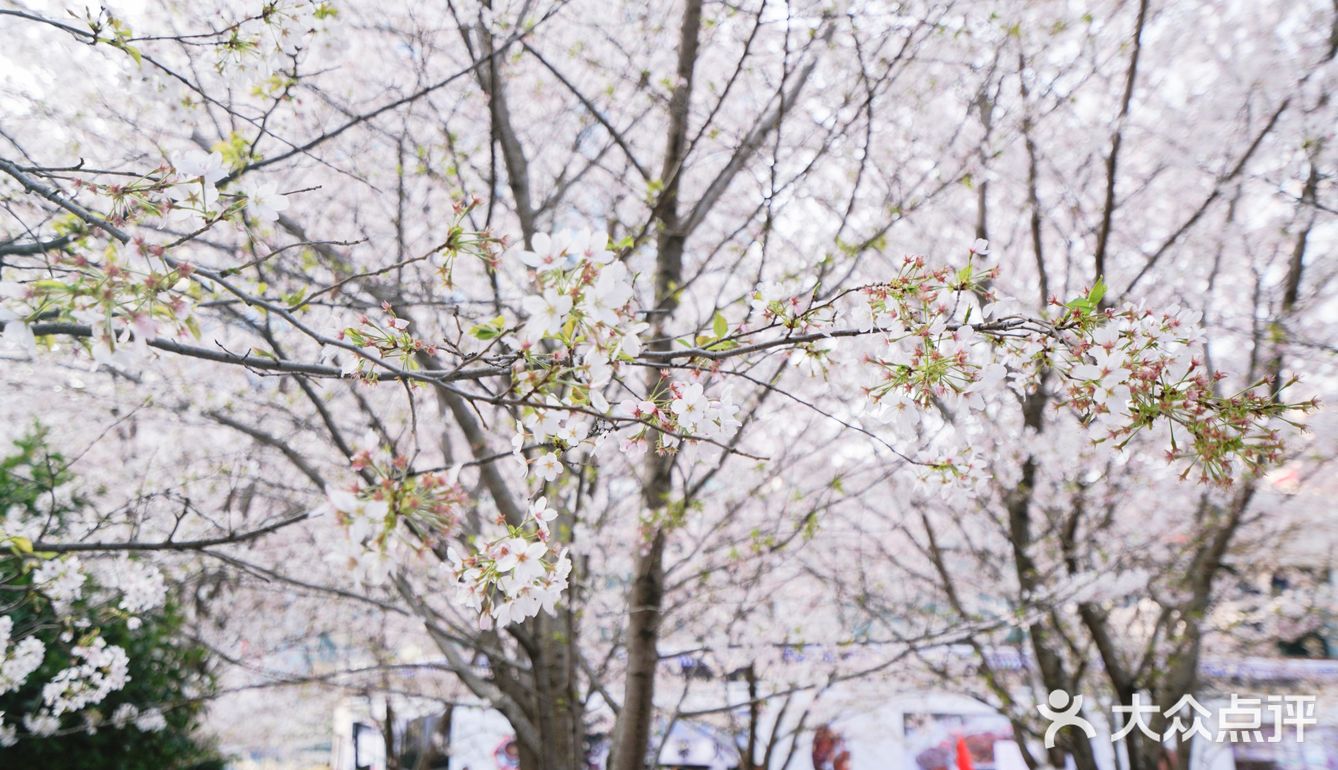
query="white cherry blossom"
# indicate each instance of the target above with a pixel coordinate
(546, 466)
(546, 251)
(546, 313)
(264, 201)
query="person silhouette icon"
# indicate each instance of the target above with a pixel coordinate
(1062, 711)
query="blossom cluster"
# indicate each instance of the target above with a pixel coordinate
(255, 54)
(62, 580)
(388, 338)
(192, 195)
(1138, 369)
(149, 720)
(102, 669)
(925, 315)
(392, 513)
(949, 343)
(945, 342)
(580, 302)
(580, 327)
(141, 585)
(125, 298)
(685, 411)
(514, 576)
(17, 659)
(132, 292)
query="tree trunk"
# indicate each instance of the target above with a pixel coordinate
(632, 736)
(1054, 674)
(1144, 753)
(388, 736)
(558, 715)
(754, 720)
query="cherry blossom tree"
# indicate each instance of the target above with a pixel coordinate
(1117, 577)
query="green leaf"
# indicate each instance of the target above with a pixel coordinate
(490, 330)
(719, 325)
(1098, 292)
(295, 297)
(1091, 302)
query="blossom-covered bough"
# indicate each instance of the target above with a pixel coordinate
(534, 380)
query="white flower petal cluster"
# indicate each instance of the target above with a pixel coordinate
(193, 193)
(368, 564)
(17, 661)
(577, 273)
(543, 515)
(141, 585)
(271, 42)
(566, 250)
(363, 551)
(611, 292)
(124, 715)
(62, 580)
(697, 415)
(579, 327)
(515, 576)
(41, 724)
(1125, 357)
(512, 578)
(815, 358)
(198, 165)
(103, 668)
(16, 335)
(151, 721)
(546, 466)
